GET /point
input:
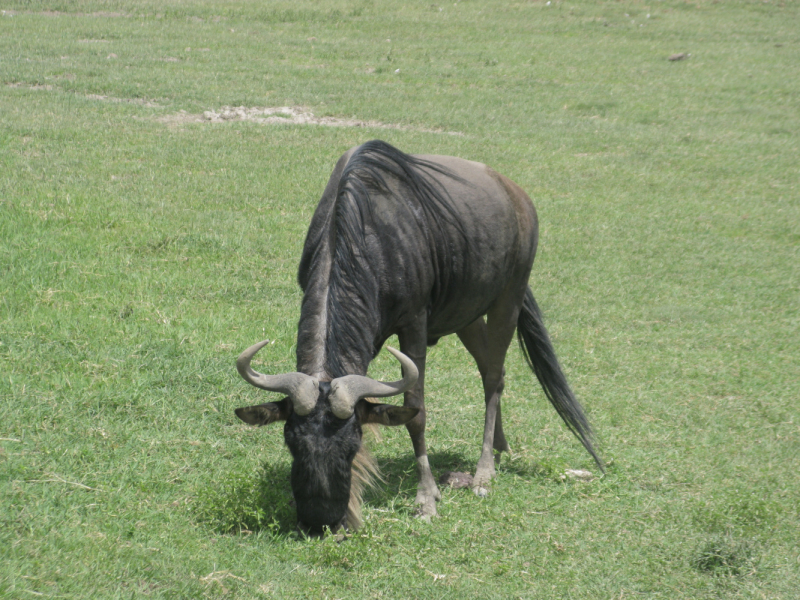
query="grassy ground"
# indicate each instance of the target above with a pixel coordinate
(140, 253)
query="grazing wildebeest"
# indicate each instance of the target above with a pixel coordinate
(422, 247)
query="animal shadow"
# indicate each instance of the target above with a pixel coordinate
(399, 478)
(272, 509)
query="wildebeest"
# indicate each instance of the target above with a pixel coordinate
(418, 246)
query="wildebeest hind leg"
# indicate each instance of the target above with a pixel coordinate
(413, 343)
(475, 339)
(488, 343)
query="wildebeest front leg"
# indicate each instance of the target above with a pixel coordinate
(488, 344)
(413, 343)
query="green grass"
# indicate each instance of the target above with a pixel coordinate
(138, 257)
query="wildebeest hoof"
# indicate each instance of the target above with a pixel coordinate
(426, 510)
(480, 491)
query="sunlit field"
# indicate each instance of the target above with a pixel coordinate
(150, 230)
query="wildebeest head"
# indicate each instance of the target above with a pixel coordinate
(323, 431)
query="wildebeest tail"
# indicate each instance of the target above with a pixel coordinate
(538, 350)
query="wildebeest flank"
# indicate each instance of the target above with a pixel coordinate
(422, 247)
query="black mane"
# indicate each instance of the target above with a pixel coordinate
(353, 311)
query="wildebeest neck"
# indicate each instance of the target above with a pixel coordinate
(340, 316)
(337, 326)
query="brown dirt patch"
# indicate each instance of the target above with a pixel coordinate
(284, 115)
(455, 480)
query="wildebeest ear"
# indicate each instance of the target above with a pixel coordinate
(384, 414)
(264, 414)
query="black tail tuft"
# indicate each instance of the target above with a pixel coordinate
(535, 345)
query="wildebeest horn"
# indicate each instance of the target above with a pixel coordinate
(301, 388)
(347, 390)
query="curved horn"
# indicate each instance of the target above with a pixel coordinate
(347, 390)
(301, 388)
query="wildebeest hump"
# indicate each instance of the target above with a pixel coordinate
(488, 236)
(401, 237)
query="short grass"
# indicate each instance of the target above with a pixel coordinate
(138, 257)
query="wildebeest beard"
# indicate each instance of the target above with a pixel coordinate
(323, 448)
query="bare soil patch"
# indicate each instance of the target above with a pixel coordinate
(455, 480)
(284, 115)
(281, 115)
